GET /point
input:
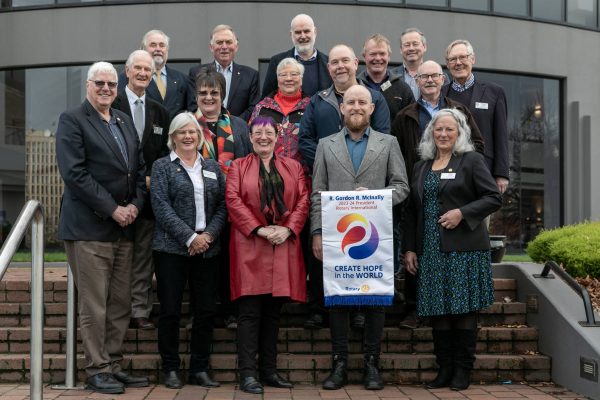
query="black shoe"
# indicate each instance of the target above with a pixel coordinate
(314, 321)
(230, 322)
(358, 320)
(442, 379)
(172, 380)
(461, 379)
(338, 376)
(105, 382)
(251, 385)
(131, 380)
(276, 380)
(443, 348)
(371, 378)
(202, 379)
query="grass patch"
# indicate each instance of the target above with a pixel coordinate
(49, 256)
(516, 258)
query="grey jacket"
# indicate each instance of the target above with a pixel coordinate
(172, 196)
(381, 168)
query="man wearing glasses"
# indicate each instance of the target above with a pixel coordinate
(99, 159)
(487, 103)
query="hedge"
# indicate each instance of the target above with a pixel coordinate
(576, 247)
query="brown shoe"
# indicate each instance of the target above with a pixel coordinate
(141, 323)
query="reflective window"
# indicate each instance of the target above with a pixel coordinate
(511, 7)
(547, 9)
(476, 5)
(25, 3)
(436, 3)
(582, 12)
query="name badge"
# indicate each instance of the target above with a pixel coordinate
(385, 86)
(157, 130)
(209, 174)
(448, 175)
(482, 106)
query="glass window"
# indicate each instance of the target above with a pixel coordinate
(582, 12)
(511, 7)
(476, 5)
(547, 9)
(436, 3)
(25, 3)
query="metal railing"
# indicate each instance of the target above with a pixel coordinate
(580, 290)
(32, 213)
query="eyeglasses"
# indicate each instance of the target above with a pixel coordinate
(205, 93)
(425, 77)
(462, 59)
(288, 74)
(100, 84)
(183, 132)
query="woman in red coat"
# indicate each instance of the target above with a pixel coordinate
(267, 201)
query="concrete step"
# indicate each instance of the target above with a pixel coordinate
(303, 368)
(491, 340)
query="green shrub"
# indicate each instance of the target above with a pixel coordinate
(576, 247)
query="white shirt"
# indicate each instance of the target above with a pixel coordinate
(195, 174)
(227, 73)
(132, 98)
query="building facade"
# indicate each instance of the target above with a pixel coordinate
(543, 52)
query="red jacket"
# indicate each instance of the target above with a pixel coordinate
(256, 266)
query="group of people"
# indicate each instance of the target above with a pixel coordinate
(200, 180)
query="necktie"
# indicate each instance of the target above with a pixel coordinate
(138, 117)
(160, 85)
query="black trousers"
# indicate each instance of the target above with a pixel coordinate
(339, 319)
(172, 273)
(258, 328)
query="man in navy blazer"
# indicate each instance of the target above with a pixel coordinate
(103, 170)
(487, 103)
(316, 76)
(151, 121)
(242, 90)
(169, 87)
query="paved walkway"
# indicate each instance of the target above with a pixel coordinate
(307, 392)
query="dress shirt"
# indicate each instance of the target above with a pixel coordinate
(357, 148)
(132, 98)
(412, 82)
(461, 88)
(116, 132)
(195, 174)
(298, 57)
(227, 74)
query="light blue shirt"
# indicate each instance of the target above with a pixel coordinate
(412, 82)
(227, 74)
(357, 148)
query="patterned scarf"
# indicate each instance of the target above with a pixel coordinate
(224, 151)
(271, 193)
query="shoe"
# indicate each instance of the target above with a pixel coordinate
(230, 322)
(131, 380)
(105, 382)
(372, 378)
(276, 380)
(443, 348)
(141, 323)
(202, 379)
(410, 321)
(172, 380)
(314, 321)
(358, 320)
(251, 385)
(338, 376)
(461, 379)
(464, 357)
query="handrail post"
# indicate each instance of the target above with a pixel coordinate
(37, 304)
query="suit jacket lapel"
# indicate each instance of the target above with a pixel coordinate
(129, 134)
(340, 152)
(148, 125)
(152, 91)
(236, 77)
(452, 167)
(374, 148)
(94, 119)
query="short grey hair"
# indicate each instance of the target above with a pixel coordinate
(102, 67)
(290, 61)
(154, 32)
(460, 41)
(181, 120)
(221, 28)
(410, 30)
(299, 17)
(138, 53)
(427, 149)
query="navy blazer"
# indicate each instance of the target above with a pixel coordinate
(270, 84)
(97, 178)
(489, 109)
(180, 96)
(244, 92)
(473, 191)
(154, 137)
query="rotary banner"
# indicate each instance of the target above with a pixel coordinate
(358, 267)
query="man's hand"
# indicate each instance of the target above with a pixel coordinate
(125, 215)
(410, 262)
(502, 184)
(317, 246)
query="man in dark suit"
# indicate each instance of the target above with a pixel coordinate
(241, 81)
(169, 87)
(487, 103)
(103, 170)
(151, 122)
(413, 46)
(316, 76)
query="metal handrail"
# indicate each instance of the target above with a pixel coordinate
(32, 213)
(580, 290)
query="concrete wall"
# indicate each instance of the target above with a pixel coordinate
(86, 34)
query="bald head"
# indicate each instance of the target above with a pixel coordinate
(429, 65)
(358, 91)
(302, 19)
